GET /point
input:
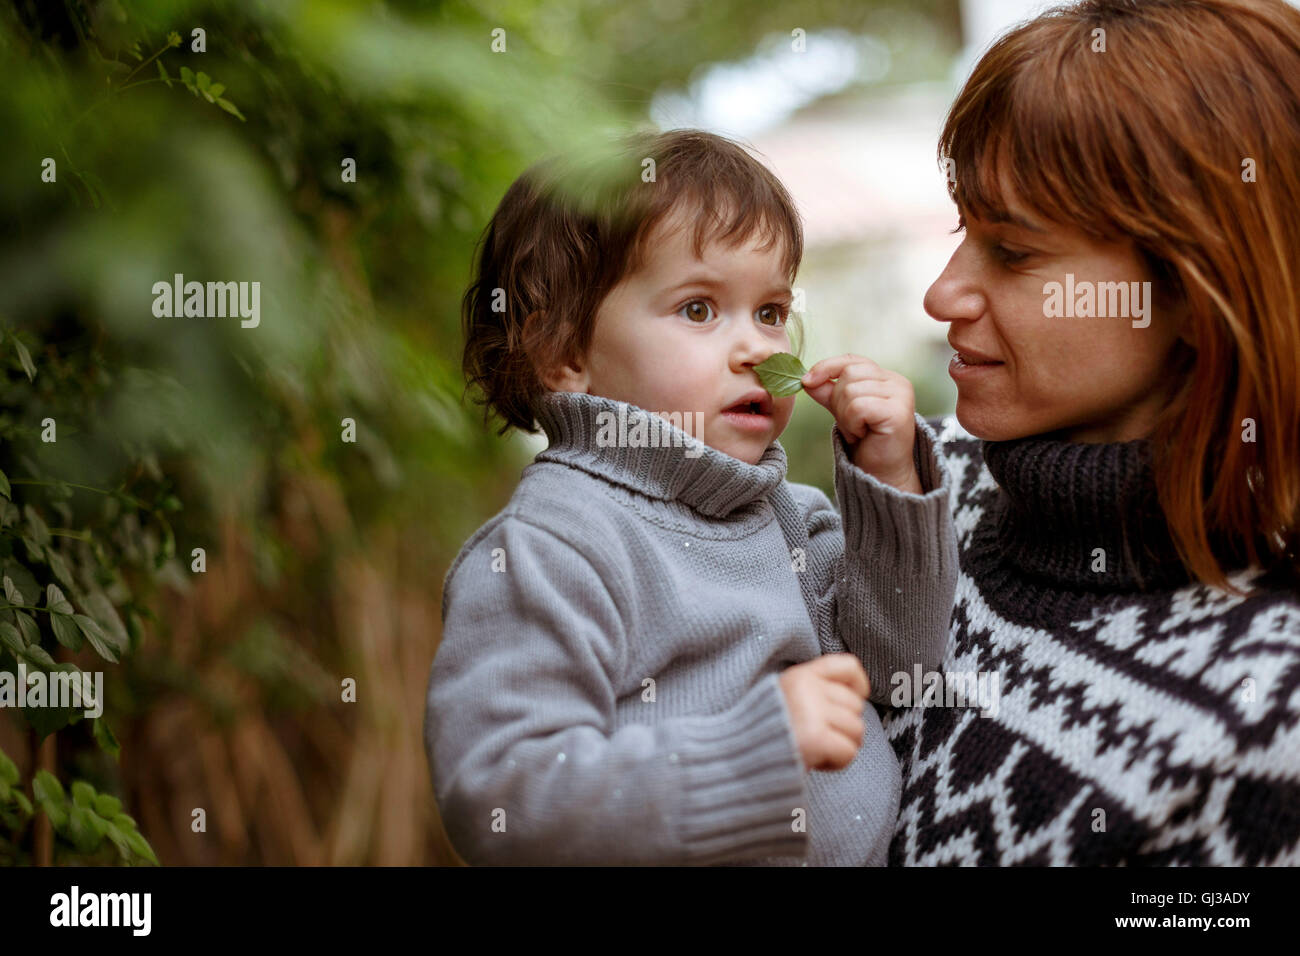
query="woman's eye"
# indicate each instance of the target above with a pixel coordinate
(697, 310)
(1009, 256)
(770, 315)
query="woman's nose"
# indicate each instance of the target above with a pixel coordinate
(955, 294)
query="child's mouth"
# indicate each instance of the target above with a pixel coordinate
(751, 415)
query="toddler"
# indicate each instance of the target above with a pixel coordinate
(654, 654)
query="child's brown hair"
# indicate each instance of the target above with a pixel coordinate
(567, 232)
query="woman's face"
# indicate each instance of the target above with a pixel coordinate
(1030, 358)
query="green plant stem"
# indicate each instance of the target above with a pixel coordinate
(131, 86)
(143, 64)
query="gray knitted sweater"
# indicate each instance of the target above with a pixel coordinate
(606, 689)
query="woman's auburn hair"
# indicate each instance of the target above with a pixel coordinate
(1155, 140)
(572, 226)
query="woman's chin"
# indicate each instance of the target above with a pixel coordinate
(991, 425)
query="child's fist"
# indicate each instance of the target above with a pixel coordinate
(825, 697)
(875, 410)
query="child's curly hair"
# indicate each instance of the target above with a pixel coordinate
(566, 232)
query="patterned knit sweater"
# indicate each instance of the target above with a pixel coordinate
(1143, 719)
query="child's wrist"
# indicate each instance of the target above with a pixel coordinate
(902, 476)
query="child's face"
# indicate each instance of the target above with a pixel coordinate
(683, 334)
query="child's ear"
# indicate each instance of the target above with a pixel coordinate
(569, 376)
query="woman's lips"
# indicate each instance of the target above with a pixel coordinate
(967, 366)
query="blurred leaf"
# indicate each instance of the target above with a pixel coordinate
(55, 601)
(83, 794)
(230, 107)
(40, 532)
(107, 805)
(66, 631)
(46, 788)
(8, 769)
(11, 639)
(85, 830)
(102, 642)
(103, 735)
(30, 629)
(162, 72)
(25, 358)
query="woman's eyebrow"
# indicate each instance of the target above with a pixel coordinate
(1023, 223)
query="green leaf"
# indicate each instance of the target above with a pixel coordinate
(20, 798)
(781, 374)
(99, 607)
(162, 72)
(11, 639)
(216, 89)
(230, 107)
(4, 485)
(47, 789)
(83, 794)
(58, 814)
(103, 644)
(55, 601)
(103, 735)
(22, 578)
(187, 76)
(27, 624)
(107, 805)
(12, 594)
(39, 656)
(8, 769)
(119, 840)
(25, 357)
(141, 846)
(40, 531)
(66, 631)
(203, 80)
(60, 568)
(84, 829)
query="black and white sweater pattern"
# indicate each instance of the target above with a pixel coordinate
(1142, 718)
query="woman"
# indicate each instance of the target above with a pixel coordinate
(1129, 456)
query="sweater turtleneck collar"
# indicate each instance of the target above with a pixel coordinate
(629, 446)
(1062, 501)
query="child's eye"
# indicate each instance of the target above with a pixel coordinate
(692, 310)
(771, 314)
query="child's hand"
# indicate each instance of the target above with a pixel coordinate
(875, 411)
(825, 697)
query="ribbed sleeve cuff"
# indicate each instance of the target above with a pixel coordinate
(742, 779)
(905, 531)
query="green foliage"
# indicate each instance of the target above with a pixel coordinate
(181, 433)
(781, 373)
